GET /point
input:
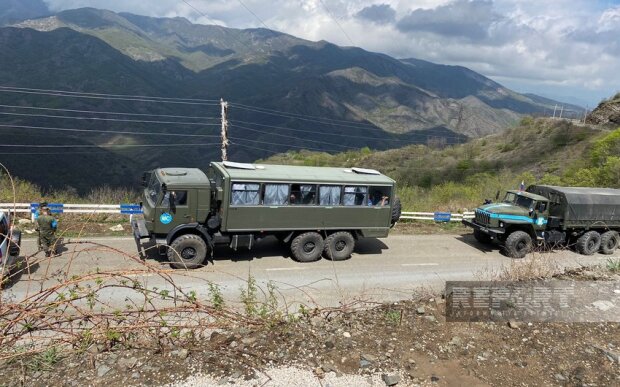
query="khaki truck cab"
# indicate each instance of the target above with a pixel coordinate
(316, 210)
(587, 218)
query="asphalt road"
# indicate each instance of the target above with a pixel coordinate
(380, 270)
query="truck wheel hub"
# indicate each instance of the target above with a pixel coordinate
(188, 253)
(309, 247)
(340, 245)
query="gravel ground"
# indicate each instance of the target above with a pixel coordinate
(287, 376)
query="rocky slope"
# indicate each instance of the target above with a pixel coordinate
(607, 112)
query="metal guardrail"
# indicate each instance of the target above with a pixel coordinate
(437, 216)
(127, 209)
(61, 208)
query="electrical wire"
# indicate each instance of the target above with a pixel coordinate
(110, 113)
(105, 131)
(108, 119)
(318, 119)
(293, 137)
(103, 145)
(337, 23)
(255, 15)
(108, 95)
(407, 134)
(65, 94)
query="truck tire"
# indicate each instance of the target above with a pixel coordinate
(307, 247)
(339, 246)
(518, 244)
(396, 212)
(609, 242)
(589, 243)
(482, 237)
(187, 251)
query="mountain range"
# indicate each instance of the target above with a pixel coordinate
(285, 93)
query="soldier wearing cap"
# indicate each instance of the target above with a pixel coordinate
(46, 226)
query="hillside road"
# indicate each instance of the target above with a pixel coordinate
(380, 270)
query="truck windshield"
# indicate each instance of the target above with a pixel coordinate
(152, 190)
(518, 200)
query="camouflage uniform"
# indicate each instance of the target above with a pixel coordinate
(46, 227)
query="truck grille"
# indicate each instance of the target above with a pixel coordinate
(482, 218)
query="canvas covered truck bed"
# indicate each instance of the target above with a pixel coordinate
(582, 207)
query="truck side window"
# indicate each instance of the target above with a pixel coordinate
(180, 198)
(276, 194)
(542, 206)
(329, 195)
(304, 194)
(355, 196)
(245, 194)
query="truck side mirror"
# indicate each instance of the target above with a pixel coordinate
(146, 176)
(497, 196)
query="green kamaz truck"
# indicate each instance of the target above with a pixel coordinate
(585, 218)
(318, 211)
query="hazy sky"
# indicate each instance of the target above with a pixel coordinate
(557, 48)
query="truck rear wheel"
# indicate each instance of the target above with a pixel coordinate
(609, 242)
(188, 251)
(307, 247)
(339, 246)
(589, 243)
(518, 244)
(482, 237)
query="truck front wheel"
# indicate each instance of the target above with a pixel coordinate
(307, 247)
(187, 251)
(589, 243)
(518, 244)
(609, 242)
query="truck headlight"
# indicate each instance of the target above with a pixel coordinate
(501, 224)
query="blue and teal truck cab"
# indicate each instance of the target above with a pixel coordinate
(586, 218)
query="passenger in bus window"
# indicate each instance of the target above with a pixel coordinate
(378, 199)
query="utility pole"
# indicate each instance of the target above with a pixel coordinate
(224, 129)
(561, 111)
(585, 115)
(554, 109)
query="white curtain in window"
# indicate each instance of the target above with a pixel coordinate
(354, 196)
(245, 194)
(276, 194)
(329, 195)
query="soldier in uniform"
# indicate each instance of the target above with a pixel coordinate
(46, 226)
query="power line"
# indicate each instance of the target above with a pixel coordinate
(408, 134)
(200, 12)
(255, 15)
(217, 25)
(72, 95)
(294, 137)
(102, 145)
(110, 113)
(108, 119)
(108, 94)
(104, 131)
(287, 145)
(300, 116)
(337, 23)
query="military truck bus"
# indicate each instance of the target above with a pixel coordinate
(586, 218)
(317, 211)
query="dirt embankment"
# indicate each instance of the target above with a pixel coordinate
(407, 343)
